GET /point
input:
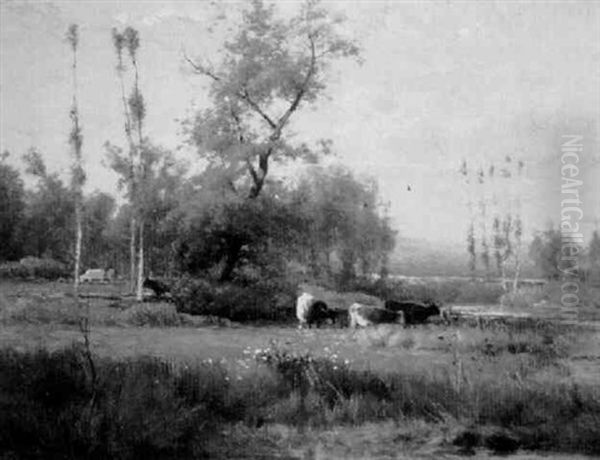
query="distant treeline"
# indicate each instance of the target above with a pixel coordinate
(328, 224)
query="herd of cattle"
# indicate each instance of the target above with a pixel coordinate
(312, 311)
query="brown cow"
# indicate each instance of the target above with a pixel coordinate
(414, 312)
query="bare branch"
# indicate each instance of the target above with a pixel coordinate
(244, 95)
(199, 68)
(301, 91)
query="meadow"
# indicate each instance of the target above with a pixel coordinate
(162, 384)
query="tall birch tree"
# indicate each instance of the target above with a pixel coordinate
(119, 45)
(133, 166)
(76, 141)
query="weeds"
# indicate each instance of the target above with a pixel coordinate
(153, 315)
(148, 407)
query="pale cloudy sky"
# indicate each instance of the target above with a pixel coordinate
(441, 81)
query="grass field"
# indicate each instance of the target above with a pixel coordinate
(542, 361)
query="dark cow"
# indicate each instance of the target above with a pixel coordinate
(159, 288)
(320, 313)
(311, 311)
(414, 312)
(369, 315)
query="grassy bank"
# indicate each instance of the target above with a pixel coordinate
(53, 406)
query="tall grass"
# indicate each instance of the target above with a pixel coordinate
(152, 409)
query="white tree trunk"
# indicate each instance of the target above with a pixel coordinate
(140, 272)
(503, 271)
(517, 273)
(78, 237)
(132, 256)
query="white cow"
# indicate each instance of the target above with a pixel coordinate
(93, 275)
(303, 306)
(369, 315)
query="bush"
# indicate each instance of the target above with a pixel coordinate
(153, 315)
(37, 311)
(193, 295)
(14, 270)
(270, 300)
(32, 267)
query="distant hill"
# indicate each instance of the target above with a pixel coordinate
(419, 257)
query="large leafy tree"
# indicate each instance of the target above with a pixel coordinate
(266, 228)
(12, 210)
(344, 222)
(270, 69)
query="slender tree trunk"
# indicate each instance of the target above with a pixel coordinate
(503, 272)
(140, 272)
(76, 141)
(119, 44)
(78, 238)
(132, 255)
(78, 177)
(517, 273)
(138, 119)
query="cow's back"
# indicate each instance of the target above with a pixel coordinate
(303, 306)
(414, 312)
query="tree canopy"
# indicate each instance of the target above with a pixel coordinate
(269, 69)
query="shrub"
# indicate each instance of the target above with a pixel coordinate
(38, 312)
(193, 295)
(270, 300)
(153, 315)
(13, 270)
(32, 267)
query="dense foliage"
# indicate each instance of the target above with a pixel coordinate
(12, 210)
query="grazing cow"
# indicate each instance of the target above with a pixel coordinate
(368, 315)
(311, 311)
(414, 312)
(158, 287)
(93, 275)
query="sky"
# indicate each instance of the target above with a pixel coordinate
(440, 82)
